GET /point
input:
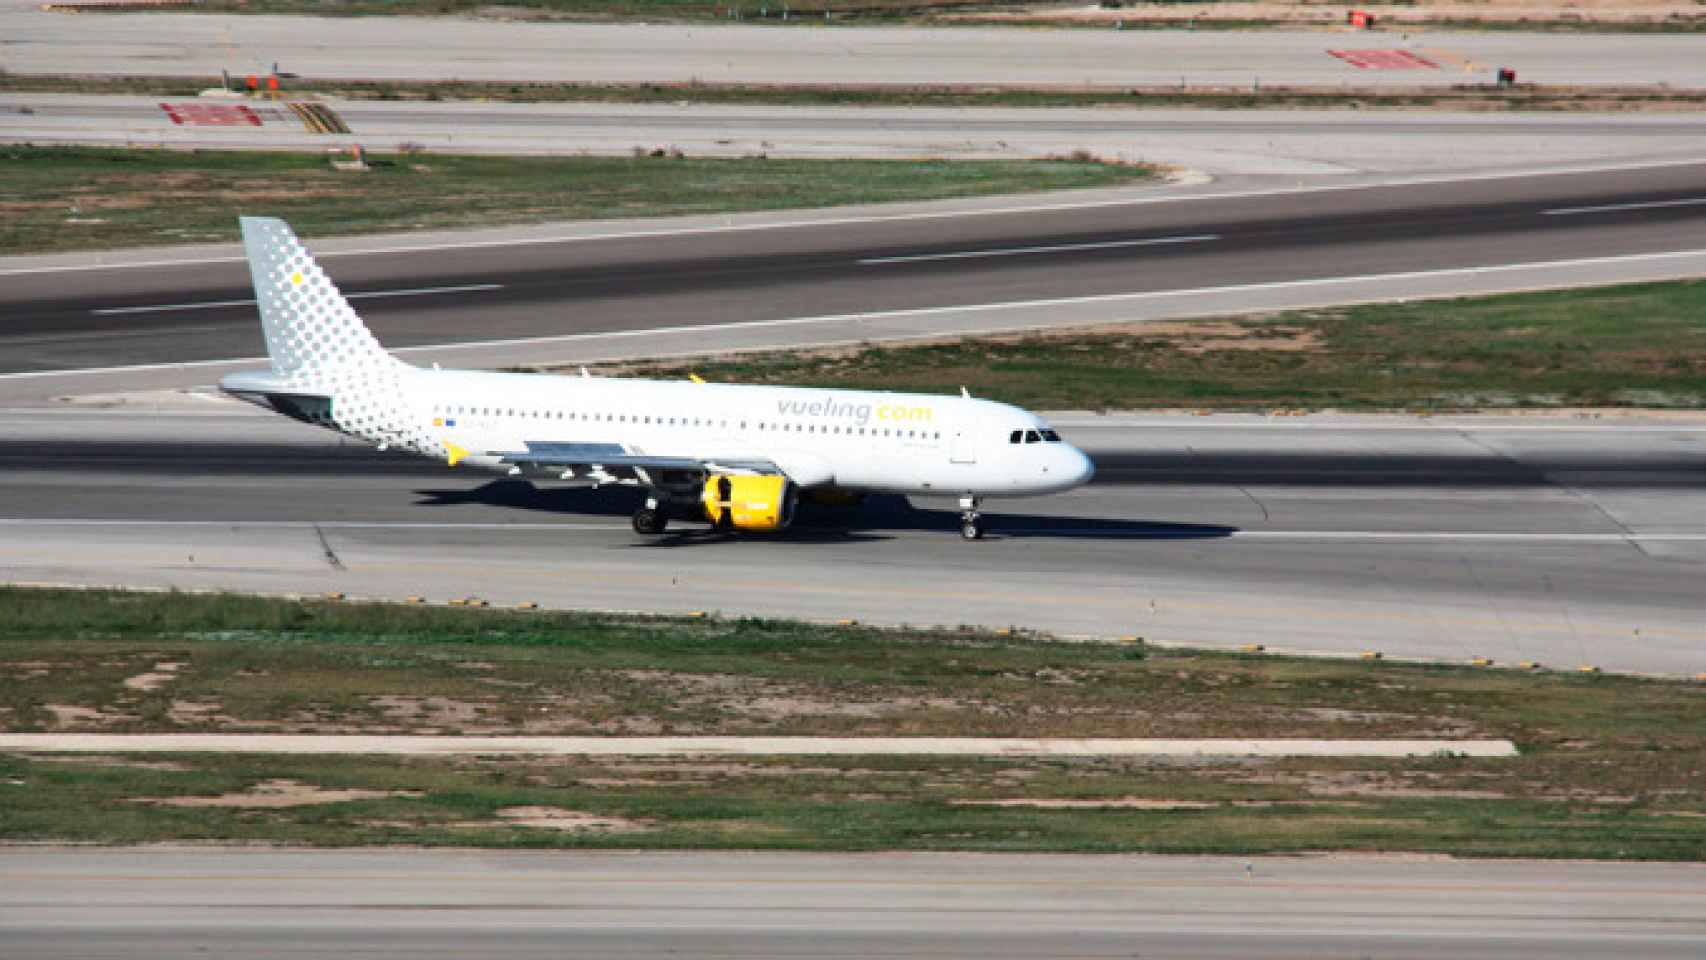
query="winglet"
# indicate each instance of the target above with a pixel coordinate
(454, 453)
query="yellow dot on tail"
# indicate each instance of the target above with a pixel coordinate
(296, 279)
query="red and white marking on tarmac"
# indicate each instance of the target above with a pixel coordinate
(211, 114)
(1384, 60)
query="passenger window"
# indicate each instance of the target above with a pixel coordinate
(1031, 436)
(1015, 436)
(1051, 436)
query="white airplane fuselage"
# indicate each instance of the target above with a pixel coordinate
(737, 455)
(863, 441)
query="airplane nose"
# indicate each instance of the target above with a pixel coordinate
(1085, 469)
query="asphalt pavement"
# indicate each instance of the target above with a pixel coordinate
(177, 902)
(1295, 143)
(177, 44)
(1569, 542)
(870, 273)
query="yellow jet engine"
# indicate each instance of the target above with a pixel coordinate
(761, 504)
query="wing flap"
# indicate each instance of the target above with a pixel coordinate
(558, 456)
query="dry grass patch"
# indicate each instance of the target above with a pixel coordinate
(577, 821)
(275, 794)
(162, 674)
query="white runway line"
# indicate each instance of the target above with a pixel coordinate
(370, 295)
(344, 744)
(1620, 207)
(1161, 531)
(1012, 305)
(1058, 248)
(822, 218)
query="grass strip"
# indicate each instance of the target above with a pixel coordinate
(76, 198)
(1637, 345)
(1612, 766)
(1463, 97)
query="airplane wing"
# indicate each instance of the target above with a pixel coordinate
(614, 462)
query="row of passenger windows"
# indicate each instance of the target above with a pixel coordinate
(1033, 436)
(454, 410)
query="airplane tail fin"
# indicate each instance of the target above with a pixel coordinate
(312, 332)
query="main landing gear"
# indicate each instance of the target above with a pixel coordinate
(971, 522)
(651, 518)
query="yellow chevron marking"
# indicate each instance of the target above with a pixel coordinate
(455, 453)
(1468, 65)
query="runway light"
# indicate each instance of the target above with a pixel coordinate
(1482, 661)
(847, 622)
(457, 602)
(696, 614)
(476, 602)
(1372, 655)
(1701, 677)
(527, 605)
(1530, 665)
(334, 596)
(412, 598)
(1587, 668)
(1252, 648)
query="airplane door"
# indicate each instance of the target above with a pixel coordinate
(963, 448)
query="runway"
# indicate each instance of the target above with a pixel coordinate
(173, 902)
(1562, 541)
(867, 274)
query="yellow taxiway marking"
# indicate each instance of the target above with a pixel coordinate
(1458, 59)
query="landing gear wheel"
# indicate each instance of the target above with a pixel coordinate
(971, 522)
(650, 520)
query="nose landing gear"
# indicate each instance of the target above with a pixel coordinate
(971, 522)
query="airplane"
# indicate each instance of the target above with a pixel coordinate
(739, 457)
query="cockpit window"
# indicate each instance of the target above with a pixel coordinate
(1051, 436)
(1014, 436)
(1031, 436)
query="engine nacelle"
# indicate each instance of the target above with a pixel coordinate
(760, 504)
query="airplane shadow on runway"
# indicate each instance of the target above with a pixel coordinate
(877, 515)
